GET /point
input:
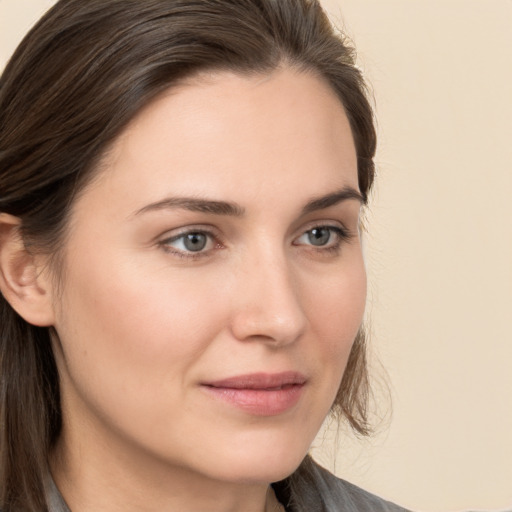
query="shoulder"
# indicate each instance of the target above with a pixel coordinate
(314, 489)
(340, 495)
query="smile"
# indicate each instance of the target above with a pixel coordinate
(259, 394)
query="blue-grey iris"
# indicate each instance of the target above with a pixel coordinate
(195, 241)
(319, 236)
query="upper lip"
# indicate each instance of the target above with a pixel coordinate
(259, 381)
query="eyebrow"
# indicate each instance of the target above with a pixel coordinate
(195, 205)
(235, 210)
(345, 194)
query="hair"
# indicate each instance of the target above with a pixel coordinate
(76, 80)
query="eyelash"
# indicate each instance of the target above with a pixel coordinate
(190, 255)
(342, 234)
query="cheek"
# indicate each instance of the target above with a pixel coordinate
(337, 310)
(336, 315)
(123, 328)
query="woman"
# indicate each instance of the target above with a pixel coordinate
(181, 269)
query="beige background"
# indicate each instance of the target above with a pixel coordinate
(440, 247)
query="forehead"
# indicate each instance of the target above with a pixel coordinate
(225, 134)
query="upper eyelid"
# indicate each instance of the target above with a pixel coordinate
(333, 224)
(179, 232)
(216, 233)
(341, 232)
(183, 235)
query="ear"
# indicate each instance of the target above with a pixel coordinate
(24, 281)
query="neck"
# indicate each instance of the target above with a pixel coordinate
(89, 482)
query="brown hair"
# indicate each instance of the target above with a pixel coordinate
(76, 80)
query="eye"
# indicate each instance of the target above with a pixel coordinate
(189, 243)
(194, 242)
(323, 237)
(319, 236)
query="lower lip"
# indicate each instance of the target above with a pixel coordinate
(260, 402)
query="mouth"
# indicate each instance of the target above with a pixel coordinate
(259, 394)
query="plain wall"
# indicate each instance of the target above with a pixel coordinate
(439, 248)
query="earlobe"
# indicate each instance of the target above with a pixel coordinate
(23, 281)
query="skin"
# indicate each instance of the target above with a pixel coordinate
(142, 323)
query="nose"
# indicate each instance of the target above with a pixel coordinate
(267, 303)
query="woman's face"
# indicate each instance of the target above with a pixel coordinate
(213, 281)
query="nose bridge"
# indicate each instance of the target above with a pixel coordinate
(269, 305)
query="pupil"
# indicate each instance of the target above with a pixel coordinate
(195, 241)
(319, 236)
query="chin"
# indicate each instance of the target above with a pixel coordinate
(260, 465)
(258, 474)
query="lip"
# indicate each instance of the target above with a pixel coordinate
(260, 394)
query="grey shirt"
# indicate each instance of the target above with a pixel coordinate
(54, 499)
(320, 492)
